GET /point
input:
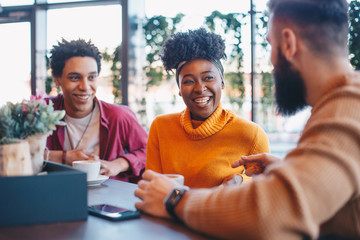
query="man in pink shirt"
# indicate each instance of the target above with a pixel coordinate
(94, 129)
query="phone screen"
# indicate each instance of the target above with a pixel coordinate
(112, 212)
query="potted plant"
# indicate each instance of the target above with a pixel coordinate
(28, 122)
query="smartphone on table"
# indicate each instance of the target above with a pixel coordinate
(112, 212)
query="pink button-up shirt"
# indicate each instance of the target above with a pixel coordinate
(121, 135)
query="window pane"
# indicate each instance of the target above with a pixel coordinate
(100, 24)
(6, 3)
(59, 1)
(15, 61)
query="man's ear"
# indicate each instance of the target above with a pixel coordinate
(57, 81)
(222, 84)
(180, 93)
(288, 43)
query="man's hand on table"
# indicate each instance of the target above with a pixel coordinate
(152, 190)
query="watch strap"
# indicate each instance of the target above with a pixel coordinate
(172, 200)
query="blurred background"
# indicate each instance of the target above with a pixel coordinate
(130, 34)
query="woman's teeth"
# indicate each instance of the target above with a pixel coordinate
(202, 100)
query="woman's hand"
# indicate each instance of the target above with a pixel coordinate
(114, 167)
(152, 190)
(255, 164)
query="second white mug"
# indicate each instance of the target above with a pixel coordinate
(176, 178)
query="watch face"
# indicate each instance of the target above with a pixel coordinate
(174, 195)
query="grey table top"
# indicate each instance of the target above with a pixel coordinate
(94, 228)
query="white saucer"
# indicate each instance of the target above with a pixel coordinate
(98, 181)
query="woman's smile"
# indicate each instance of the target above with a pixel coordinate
(202, 101)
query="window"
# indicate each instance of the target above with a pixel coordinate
(100, 24)
(15, 61)
(16, 3)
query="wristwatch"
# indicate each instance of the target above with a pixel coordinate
(172, 200)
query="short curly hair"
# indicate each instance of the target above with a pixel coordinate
(194, 44)
(68, 49)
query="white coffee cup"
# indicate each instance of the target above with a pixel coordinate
(176, 178)
(91, 167)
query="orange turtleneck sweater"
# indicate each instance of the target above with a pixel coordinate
(202, 151)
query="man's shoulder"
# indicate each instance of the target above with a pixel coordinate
(112, 106)
(350, 84)
(116, 112)
(115, 108)
(346, 96)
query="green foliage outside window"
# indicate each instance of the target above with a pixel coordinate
(158, 28)
(231, 25)
(115, 60)
(354, 34)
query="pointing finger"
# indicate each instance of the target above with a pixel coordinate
(238, 163)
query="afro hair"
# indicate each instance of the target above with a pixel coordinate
(68, 49)
(194, 44)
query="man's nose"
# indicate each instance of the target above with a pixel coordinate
(84, 84)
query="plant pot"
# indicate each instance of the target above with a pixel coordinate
(15, 159)
(37, 144)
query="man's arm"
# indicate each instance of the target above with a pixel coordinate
(134, 138)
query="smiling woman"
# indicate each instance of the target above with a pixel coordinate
(202, 141)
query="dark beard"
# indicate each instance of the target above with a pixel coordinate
(290, 90)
